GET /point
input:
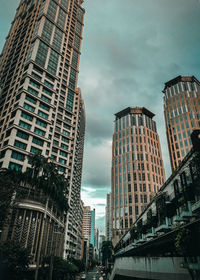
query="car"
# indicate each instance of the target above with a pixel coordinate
(83, 276)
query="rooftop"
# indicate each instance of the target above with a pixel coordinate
(134, 110)
(180, 79)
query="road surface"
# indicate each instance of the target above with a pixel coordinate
(95, 274)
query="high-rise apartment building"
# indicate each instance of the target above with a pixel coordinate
(137, 166)
(108, 225)
(41, 108)
(89, 224)
(181, 109)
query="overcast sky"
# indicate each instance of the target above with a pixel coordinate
(130, 49)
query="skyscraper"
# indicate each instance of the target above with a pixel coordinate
(108, 225)
(137, 166)
(181, 109)
(89, 224)
(41, 108)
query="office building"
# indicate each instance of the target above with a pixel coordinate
(89, 224)
(108, 225)
(137, 167)
(181, 109)
(41, 108)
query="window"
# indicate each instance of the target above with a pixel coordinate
(38, 141)
(22, 135)
(18, 156)
(136, 198)
(65, 139)
(30, 99)
(47, 31)
(61, 18)
(35, 150)
(15, 166)
(64, 146)
(41, 54)
(41, 123)
(24, 125)
(26, 116)
(63, 161)
(47, 91)
(64, 154)
(44, 106)
(33, 91)
(61, 169)
(65, 132)
(53, 62)
(36, 76)
(43, 115)
(51, 12)
(46, 99)
(33, 83)
(39, 131)
(20, 145)
(29, 107)
(48, 84)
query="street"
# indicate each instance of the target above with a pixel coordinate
(95, 274)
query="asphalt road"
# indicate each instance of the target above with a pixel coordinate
(95, 274)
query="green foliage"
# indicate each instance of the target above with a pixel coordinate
(9, 182)
(106, 250)
(134, 233)
(42, 175)
(14, 260)
(184, 242)
(62, 269)
(79, 264)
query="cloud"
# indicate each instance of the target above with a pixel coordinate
(130, 49)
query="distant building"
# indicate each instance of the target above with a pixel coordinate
(92, 236)
(108, 226)
(137, 167)
(89, 224)
(182, 115)
(96, 244)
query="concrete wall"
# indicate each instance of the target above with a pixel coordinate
(162, 268)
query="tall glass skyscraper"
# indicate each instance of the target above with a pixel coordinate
(42, 110)
(137, 167)
(182, 115)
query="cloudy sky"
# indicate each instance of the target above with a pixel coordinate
(130, 49)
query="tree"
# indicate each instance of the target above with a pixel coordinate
(9, 183)
(14, 260)
(62, 269)
(106, 251)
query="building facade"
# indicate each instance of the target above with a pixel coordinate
(108, 225)
(153, 236)
(41, 108)
(89, 224)
(137, 167)
(181, 109)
